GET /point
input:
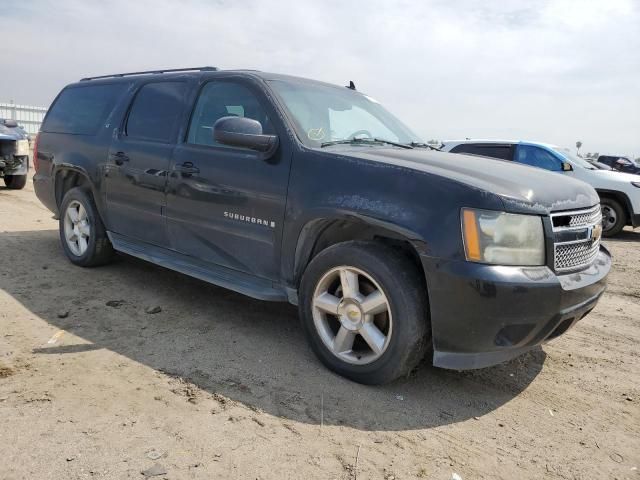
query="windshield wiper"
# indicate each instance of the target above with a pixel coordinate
(370, 141)
(424, 145)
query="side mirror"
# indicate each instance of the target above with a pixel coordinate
(10, 123)
(566, 167)
(243, 132)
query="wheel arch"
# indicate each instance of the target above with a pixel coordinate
(320, 233)
(70, 176)
(621, 198)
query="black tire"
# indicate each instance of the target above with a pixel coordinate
(610, 230)
(99, 250)
(402, 283)
(15, 182)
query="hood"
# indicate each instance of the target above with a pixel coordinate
(615, 175)
(522, 188)
(12, 133)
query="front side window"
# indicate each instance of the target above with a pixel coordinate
(224, 99)
(324, 113)
(538, 157)
(156, 111)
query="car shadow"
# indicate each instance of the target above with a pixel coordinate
(626, 235)
(250, 351)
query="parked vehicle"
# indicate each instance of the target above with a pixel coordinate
(288, 189)
(621, 164)
(619, 192)
(598, 165)
(14, 154)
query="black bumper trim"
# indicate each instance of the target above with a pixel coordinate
(482, 315)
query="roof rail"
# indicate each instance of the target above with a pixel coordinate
(169, 70)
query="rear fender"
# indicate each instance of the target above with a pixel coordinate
(67, 176)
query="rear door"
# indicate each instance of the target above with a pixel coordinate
(225, 205)
(139, 158)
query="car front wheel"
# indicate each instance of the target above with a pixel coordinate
(613, 217)
(15, 182)
(364, 310)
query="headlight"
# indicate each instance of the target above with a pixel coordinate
(636, 184)
(502, 238)
(22, 147)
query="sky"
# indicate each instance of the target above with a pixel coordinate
(555, 71)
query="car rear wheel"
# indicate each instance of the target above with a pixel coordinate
(15, 182)
(613, 217)
(364, 310)
(82, 233)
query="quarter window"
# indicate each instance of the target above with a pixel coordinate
(155, 113)
(224, 99)
(81, 110)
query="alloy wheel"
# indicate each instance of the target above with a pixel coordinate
(352, 315)
(609, 217)
(77, 229)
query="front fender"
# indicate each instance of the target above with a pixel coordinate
(420, 207)
(317, 221)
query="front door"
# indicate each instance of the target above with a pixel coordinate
(139, 159)
(225, 205)
(538, 157)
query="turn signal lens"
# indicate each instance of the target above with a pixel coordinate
(35, 153)
(471, 240)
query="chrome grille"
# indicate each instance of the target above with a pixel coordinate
(586, 219)
(577, 238)
(576, 255)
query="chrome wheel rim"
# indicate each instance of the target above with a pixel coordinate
(609, 217)
(77, 230)
(352, 315)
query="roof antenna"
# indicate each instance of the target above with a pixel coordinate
(351, 86)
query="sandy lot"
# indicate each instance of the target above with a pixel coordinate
(216, 385)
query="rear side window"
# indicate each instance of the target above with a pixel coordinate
(156, 111)
(503, 152)
(82, 110)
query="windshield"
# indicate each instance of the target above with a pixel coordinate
(322, 114)
(575, 159)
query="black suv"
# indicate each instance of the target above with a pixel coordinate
(288, 189)
(622, 164)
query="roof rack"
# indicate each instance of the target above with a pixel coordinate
(170, 70)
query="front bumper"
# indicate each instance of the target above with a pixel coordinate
(482, 315)
(15, 165)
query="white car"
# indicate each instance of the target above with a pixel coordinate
(619, 192)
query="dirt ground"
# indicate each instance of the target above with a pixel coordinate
(217, 385)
